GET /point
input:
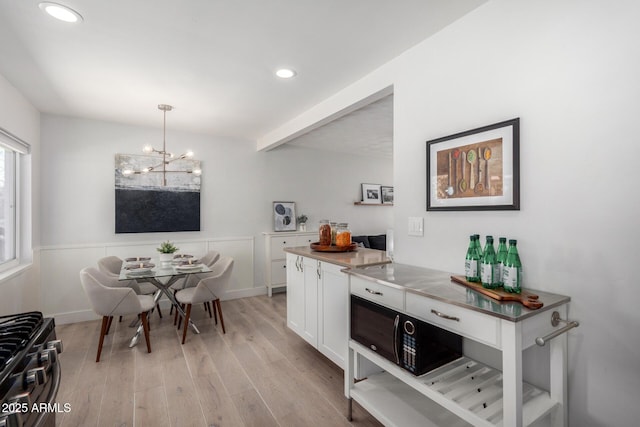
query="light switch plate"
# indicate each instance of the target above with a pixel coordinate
(416, 226)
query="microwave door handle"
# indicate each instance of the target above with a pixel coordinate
(395, 338)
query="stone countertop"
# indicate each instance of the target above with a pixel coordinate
(361, 257)
(438, 285)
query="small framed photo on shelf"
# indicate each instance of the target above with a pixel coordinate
(475, 170)
(387, 195)
(284, 216)
(371, 194)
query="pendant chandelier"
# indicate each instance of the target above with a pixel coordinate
(167, 157)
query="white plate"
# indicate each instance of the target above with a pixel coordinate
(189, 267)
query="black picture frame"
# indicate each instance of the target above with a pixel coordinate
(475, 170)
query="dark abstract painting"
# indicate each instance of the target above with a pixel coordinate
(144, 204)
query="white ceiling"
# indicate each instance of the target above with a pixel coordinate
(213, 60)
(367, 131)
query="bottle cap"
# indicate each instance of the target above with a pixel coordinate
(490, 239)
(513, 241)
(502, 239)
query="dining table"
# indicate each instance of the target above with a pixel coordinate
(162, 274)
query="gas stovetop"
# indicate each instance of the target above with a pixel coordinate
(16, 331)
(29, 369)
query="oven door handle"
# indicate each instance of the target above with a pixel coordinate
(396, 323)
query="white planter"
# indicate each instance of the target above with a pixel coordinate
(303, 226)
(166, 258)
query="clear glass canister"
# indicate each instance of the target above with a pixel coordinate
(324, 232)
(343, 235)
(334, 230)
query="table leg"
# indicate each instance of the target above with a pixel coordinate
(162, 289)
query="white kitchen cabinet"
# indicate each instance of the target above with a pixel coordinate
(295, 294)
(275, 272)
(317, 297)
(465, 391)
(333, 298)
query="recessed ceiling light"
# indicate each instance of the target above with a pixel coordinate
(285, 73)
(60, 12)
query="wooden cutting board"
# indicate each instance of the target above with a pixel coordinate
(526, 298)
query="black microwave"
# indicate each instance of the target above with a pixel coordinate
(414, 345)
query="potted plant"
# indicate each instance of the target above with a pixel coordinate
(302, 220)
(167, 249)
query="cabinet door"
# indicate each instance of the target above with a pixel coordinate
(295, 294)
(333, 297)
(310, 273)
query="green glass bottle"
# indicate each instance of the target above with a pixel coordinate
(489, 268)
(478, 247)
(501, 257)
(472, 261)
(513, 270)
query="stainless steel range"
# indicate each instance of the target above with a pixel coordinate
(29, 370)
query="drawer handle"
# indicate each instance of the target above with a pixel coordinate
(373, 292)
(444, 316)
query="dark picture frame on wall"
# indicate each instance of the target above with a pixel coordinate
(475, 170)
(387, 194)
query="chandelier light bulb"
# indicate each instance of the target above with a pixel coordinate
(188, 154)
(127, 172)
(147, 149)
(197, 172)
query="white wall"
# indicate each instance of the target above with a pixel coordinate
(21, 292)
(570, 71)
(238, 188)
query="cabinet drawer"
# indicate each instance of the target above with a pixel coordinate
(380, 294)
(278, 272)
(279, 243)
(468, 323)
(306, 240)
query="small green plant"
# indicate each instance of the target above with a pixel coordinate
(302, 219)
(167, 248)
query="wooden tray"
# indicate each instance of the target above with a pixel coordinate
(526, 298)
(316, 246)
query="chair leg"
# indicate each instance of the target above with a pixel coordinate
(186, 323)
(159, 312)
(145, 328)
(215, 311)
(180, 317)
(109, 325)
(103, 332)
(221, 318)
(120, 319)
(207, 308)
(175, 316)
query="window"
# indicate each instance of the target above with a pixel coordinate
(12, 149)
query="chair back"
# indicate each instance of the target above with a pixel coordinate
(110, 265)
(105, 300)
(210, 258)
(216, 281)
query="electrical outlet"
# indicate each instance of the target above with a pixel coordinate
(416, 226)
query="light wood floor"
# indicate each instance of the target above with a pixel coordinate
(258, 374)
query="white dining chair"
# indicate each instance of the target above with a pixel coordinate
(111, 266)
(208, 259)
(205, 291)
(109, 301)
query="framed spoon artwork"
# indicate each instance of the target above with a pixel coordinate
(478, 169)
